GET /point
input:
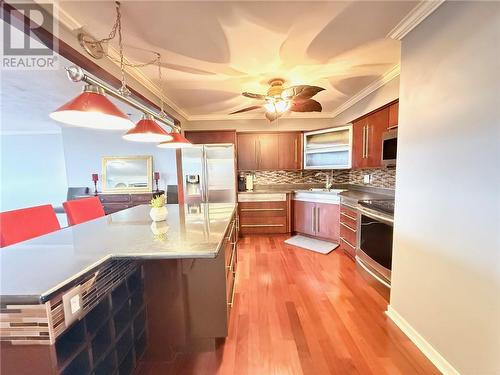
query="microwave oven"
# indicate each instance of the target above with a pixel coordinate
(389, 147)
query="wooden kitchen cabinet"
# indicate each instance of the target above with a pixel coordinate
(303, 214)
(247, 151)
(269, 151)
(328, 221)
(211, 136)
(393, 115)
(367, 139)
(317, 219)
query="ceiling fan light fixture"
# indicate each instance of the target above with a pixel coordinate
(282, 106)
(147, 130)
(177, 141)
(91, 109)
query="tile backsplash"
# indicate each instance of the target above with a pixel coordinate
(380, 177)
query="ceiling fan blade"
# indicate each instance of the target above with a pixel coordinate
(246, 109)
(308, 105)
(301, 92)
(253, 96)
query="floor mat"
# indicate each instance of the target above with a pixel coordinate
(313, 244)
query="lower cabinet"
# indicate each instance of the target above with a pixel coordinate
(317, 219)
(348, 231)
(264, 217)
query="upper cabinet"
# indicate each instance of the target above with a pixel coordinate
(290, 151)
(393, 115)
(367, 139)
(328, 148)
(210, 136)
(269, 151)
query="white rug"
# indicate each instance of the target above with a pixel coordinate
(313, 244)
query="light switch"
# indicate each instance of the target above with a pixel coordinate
(367, 178)
(75, 304)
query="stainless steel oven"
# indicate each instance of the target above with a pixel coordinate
(374, 251)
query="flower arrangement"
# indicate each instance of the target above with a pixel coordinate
(158, 201)
(158, 209)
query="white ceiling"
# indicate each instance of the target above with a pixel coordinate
(212, 51)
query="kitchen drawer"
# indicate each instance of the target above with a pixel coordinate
(261, 209)
(348, 247)
(349, 218)
(348, 233)
(231, 263)
(348, 211)
(114, 198)
(259, 224)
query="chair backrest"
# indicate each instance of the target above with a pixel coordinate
(77, 192)
(81, 210)
(26, 223)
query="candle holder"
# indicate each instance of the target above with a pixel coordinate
(95, 178)
(157, 177)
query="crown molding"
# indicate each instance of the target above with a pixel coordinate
(386, 78)
(421, 11)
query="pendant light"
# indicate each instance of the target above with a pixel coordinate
(178, 141)
(91, 109)
(147, 130)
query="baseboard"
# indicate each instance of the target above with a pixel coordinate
(432, 354)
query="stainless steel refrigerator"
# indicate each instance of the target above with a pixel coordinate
(209, 173)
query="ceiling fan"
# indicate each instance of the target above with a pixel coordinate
(279, 99)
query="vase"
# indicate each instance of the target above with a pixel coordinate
(158, 213)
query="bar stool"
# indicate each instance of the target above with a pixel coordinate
(26, 223)
(82, 210)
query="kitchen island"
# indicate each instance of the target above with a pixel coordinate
(99, 296)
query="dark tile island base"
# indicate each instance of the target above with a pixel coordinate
(144, 302)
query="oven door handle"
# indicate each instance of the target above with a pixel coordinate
(376, 216)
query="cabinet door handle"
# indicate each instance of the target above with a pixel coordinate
(313, 211)
(317, 219)
(364, 141)
(367, 138)
(255, 151)
(296, 150)
(260, 156)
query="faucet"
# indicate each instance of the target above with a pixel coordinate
(329, 179)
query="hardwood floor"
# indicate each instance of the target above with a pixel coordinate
(299, 312)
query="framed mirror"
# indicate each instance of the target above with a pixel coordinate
(127, 174)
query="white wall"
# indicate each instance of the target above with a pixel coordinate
(446, 262)
(84, 148)
(32, 170)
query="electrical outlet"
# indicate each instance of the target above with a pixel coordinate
(367, 178)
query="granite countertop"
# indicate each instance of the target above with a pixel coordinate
(358, 195)
(38, 267)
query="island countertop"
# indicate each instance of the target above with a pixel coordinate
(31, 270)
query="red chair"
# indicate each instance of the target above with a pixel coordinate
(26, 223)
(82, 210)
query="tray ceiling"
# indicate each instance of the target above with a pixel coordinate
(212, 51)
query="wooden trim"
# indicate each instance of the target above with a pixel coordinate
(68, 52)
(376, 110)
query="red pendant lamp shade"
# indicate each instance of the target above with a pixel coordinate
(91, 109)
(178, 141)
(147, 130)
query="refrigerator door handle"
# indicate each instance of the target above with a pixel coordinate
(204, 188)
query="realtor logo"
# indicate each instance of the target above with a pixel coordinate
(25, 25)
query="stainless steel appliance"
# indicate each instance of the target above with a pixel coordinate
(374, 252)
(389, 147)
(209, 173)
